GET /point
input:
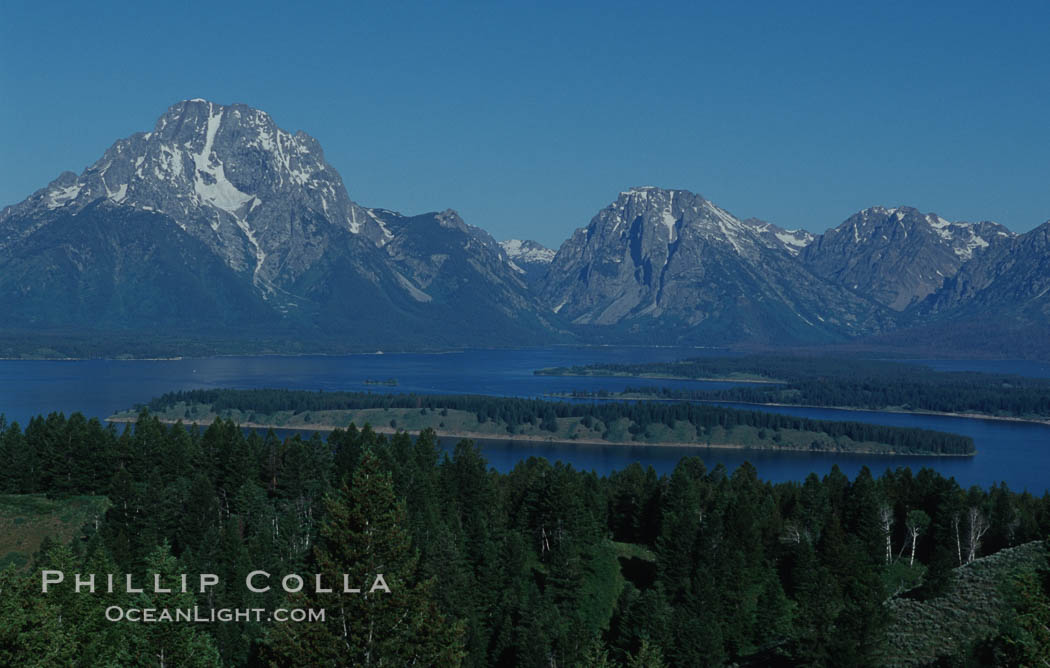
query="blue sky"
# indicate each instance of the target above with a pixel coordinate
(529, 118)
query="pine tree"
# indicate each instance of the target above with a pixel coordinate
(171, 644)
(38, 629)
(648, 656)
(596, 655)
(365, 539)
(102, 642)
(16, 461)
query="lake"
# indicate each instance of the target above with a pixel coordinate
(1016, 453)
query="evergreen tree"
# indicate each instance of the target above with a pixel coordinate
(596, 655)
(171, 644)
(17, 466)
(365, 537)
(648, 656)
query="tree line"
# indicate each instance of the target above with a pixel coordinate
(514, 412)
(857, 383)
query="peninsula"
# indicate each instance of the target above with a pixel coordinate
(535, 420)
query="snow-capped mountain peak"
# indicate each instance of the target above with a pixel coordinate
(527, 251)
(967, 238)
(671, 213)
(220, 222)
(898, 255)
(876, 225)
(227, 174)
(657, 261)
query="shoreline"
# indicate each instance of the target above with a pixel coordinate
(964, 416)
(756, 381)
(529, 438)
(369, 351)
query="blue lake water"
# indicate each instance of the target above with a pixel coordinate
(1017, 453)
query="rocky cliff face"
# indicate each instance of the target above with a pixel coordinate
(673, 264)
(898, 256)
(998, 303)
(1011, 277)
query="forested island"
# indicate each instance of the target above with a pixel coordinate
(534, 419)
(543, 565)
(840, 383)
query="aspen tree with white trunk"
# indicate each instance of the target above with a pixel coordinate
(886, 521)
(956, 521)
(916, 524)
(978, 527)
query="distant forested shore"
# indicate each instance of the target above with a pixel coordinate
(534, 419)
(841, 383)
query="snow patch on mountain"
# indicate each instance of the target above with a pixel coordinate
(210, 182)
(527, 251)
(118, 195)
(963, 237)
(62, 196)
(971, 245)
(669, 221)
(794, 240)
(382, 226)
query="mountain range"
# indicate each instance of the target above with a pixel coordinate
(218, 225)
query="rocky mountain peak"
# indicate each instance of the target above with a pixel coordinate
(898, 255)
(1008, 283)
(527, 251)
(227, 174)
(668, 214)
(529, 258)
(219, 198)
(451, 219)
(881, 225)
(674, 261)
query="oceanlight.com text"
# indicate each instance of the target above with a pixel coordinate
(116, 613)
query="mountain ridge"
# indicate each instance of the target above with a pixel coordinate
(898, 256)
(673, 256)
(221, 191)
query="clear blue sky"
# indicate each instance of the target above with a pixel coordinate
(528, 118)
